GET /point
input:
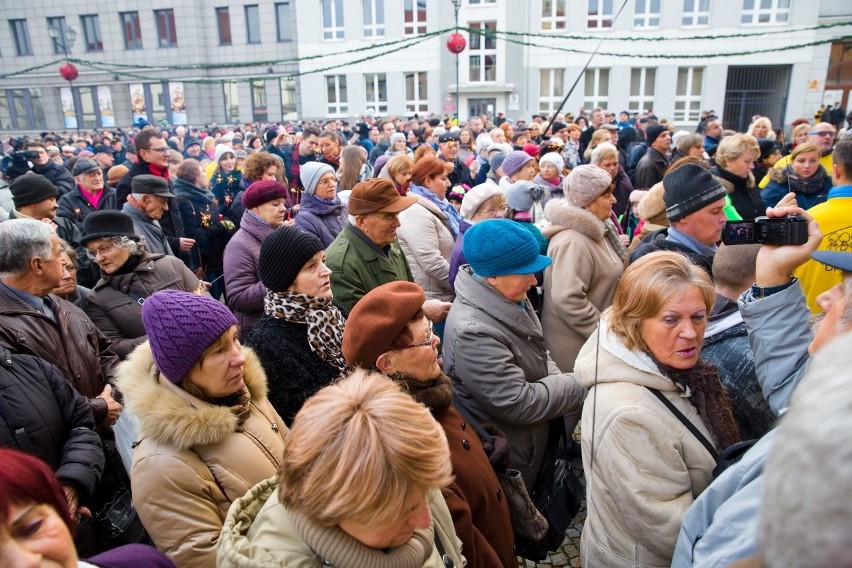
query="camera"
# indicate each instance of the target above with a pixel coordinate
(792, 230)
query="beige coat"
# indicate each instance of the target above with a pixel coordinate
(648, 468)
(581, 282)
(427, 241)
(193, 459)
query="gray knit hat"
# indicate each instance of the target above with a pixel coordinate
(311, 173)
(585, 184)
(688, 189)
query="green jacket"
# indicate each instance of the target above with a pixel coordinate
(356, 268)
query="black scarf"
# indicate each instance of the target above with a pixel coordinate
(806, 186)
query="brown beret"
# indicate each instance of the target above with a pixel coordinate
(377, 195)
(377, 320)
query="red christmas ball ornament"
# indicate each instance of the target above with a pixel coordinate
(456, 43)
(68, 71)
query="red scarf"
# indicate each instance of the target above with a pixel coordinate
(158, 171)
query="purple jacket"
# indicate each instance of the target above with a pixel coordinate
(131, 555)
(457, 258)
(243, 289)
(321, 219)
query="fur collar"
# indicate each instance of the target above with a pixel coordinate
(563, 216)
(172, 416)
(653, 206)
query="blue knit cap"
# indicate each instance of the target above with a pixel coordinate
(497, 247)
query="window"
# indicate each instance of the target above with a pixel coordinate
(483, 52)
(252, 24)
(553, 15)
(377, 91)
(642, 81)
(21, 109)
(337, 98)
(551, 89)
(647, 14)
(416, 97)
(600, 14)
(596, 93)
(288, 98)
(259, 110)
(88, 107)
(374, 18)
(131, 29)
(282, 21)
(92, 31)
(688, 94)
(156, 102)
(232, 102)
(475, 2)
(696, 13)
(22, 37)
(332, 19)
(61, 39)
(757, 12)
(166, 31)
(223, 21)
(415, 17)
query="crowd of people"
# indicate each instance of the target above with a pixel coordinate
(284, 344)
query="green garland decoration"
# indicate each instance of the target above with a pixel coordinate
(33, 68)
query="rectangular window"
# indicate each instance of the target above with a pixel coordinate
(223, 22)
(282, 21)
(477, 2)
(551, 89)
(232, 102)
(61, 39)
(159, 99)
(690, 82)
(131, 29)
(765, 12)
(332, 19)
(596, 93)
(647, 14)
(696, 13)
(288, 98)
(483, 52)
(374, 18)
(599, 14)
(92, 32)
(336, 92)
(642, 81)
(259, 110)
(87, 110)
(377, 91)
(21, 109)
(553, 15)
(21, 35)
(415, 17)
(166, 30)
(416, 97)
(5, 115)
(252, 24)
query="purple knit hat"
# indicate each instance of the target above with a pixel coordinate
(180, 327)
(515, 161)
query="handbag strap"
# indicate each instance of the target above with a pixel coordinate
(689, 425)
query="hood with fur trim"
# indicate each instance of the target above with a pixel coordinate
(652, 207)
(169, 414)
(564, 216)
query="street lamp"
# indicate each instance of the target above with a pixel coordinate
(457, 47)
(63, 37)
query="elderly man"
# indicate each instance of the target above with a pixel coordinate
(34, 197)
(146, 205)
(822, 134)
(57, 174)
(90, 194)
(35, 322)
(104, 157)
(448, 151)
(652, 167)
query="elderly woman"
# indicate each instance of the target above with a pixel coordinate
(398, 170)
(226, 182)
(68, 288)
(550, 175)
(428, 229)
(129, 275)
(266, 208)
(265, 166)
(588, 258)
(321, 214)
(494, 347)
(735, 158)
(485, 201)
(690, 144)
(207, 433)
(642, 363)
(298, 338)
(605, 156)
(401, 345)
(804, 176)
(359, 486)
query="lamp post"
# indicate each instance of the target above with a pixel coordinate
(456, 44)
(63, 37)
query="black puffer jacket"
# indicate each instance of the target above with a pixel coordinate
(41, 414)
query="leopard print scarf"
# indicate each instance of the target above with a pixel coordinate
(324, 319)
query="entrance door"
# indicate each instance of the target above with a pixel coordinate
(477, 107)
(757, 89)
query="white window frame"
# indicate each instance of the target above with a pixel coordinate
(602, 18)
(601, 77)
(480, 2)
(687, 107)
(415, 101)
(340, 105)
(552, 20)
(232, 95)
(415, 26)
(646, 14)
(775, 12)
(549, 99)
(374, 18)
(694, 11)
(482, 52)
(643, 100)
(332, 28)
(372, 82)
(289, 104)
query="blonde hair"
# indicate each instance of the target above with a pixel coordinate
(603, 151)
(801, 129)
(804, 148)
(732, 147)
(646, 286)
(765, 122)
(399, 164)
(358, 450)
(599, 137)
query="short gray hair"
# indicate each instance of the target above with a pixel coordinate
(603, 151)
(127, 244)
(21, 240)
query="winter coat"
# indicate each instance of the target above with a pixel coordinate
(118, 314)
(657, 241)
(650, 169)
(201, 222)
(457, 257)
(778, 187)
(260, 533)
(76, 207)
(426, 239)
(554, 190)
(648, 467)
(40, 414)
(73, 343)
(193, 458)
(226, 187)
(58, 175)
(622, 190)
(581, 282)
(243, 287)
(148, 228)
(744, 195)
(357, 267)
(320, 219)
(502, 372)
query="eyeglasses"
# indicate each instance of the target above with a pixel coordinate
(502, 210)
(425, 343)
(823, 133)
(327, 182)
(163, 150)
(451, 144)
(103, 251)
